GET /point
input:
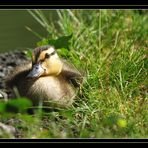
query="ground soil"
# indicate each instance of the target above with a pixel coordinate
(8, 61)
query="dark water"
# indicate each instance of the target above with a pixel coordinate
(13, 32)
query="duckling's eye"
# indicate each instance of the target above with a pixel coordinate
(47, 56)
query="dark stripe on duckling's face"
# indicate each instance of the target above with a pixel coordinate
(37, 51)
(44, 55)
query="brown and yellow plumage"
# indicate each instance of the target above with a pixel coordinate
(47, 79)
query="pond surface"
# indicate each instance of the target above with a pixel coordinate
(13, 32)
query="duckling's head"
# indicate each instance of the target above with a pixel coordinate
(45, 62)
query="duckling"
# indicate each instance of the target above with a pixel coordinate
(47, 80)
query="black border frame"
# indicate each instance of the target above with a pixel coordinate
(81, 4)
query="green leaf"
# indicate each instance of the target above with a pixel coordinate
(61, 42)
(18, 105)
(43, 42)
(2, 107)
(63, 52)
(122, 123)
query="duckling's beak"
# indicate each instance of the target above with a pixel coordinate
(36, 71)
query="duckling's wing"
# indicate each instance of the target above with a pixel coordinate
(18, 73)
(71, 73)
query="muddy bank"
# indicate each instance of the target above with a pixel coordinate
(8, 61)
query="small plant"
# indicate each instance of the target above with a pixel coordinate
(19, 105)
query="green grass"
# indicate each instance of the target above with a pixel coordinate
(110, 47)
